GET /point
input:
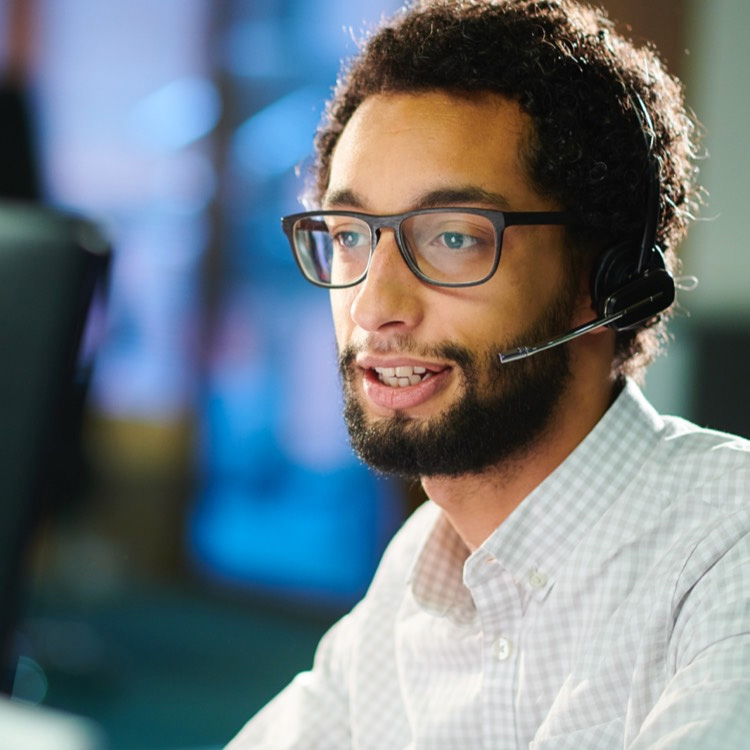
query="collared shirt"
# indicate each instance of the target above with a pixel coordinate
(611, 609)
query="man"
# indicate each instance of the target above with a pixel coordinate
(512, 178)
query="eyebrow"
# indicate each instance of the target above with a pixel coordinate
(449, 196)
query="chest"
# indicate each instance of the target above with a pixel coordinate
(532, 663)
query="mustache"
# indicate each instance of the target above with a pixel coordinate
(446, 351)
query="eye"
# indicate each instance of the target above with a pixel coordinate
(457, 240)
(347, 233)
(349, 238)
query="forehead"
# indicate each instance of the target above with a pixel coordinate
(398, 147)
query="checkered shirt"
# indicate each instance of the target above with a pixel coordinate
(610, 610)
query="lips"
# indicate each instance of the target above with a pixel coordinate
(396, 383)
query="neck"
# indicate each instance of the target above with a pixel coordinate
(477, 504)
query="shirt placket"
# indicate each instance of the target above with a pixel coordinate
(499, 608)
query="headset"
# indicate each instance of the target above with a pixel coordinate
(629, 284)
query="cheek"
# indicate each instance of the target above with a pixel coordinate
(478, 316)
(341, 303)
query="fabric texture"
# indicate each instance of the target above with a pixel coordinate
(610, 610)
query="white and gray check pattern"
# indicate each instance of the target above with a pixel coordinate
(610, 610)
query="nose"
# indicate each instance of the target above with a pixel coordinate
(389, 298)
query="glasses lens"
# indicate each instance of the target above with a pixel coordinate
(332, 249)
(452, 246)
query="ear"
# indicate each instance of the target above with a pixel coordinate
(584, 310)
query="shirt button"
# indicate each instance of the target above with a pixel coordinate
(502, 648)
(537, 579)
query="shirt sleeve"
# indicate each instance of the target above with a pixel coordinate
(311, 712)
(706, 702)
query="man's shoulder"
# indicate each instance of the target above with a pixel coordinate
(667, 456)
(699, 460)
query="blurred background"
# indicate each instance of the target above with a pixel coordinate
(210, 522)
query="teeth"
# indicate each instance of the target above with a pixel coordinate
(403, 375)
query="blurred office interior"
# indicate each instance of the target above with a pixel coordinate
(211, 522)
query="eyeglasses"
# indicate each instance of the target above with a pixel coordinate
(450, 247)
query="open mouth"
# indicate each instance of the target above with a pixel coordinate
(402, 376)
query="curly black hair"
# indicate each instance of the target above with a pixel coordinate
(591, 150)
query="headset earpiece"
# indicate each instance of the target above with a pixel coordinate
(618, 285)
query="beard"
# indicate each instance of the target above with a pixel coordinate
(502, 411)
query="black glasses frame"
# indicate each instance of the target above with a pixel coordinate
(499, 219)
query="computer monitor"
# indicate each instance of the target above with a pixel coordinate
(50, 265)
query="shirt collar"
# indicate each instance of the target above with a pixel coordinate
(436, 576)
(536, 539)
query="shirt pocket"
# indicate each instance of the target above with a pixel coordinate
(609, 735)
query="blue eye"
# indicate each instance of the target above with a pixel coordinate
(349, 239)
(457, 240)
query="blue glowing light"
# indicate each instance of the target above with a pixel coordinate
(279, 136)
(177, 114)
